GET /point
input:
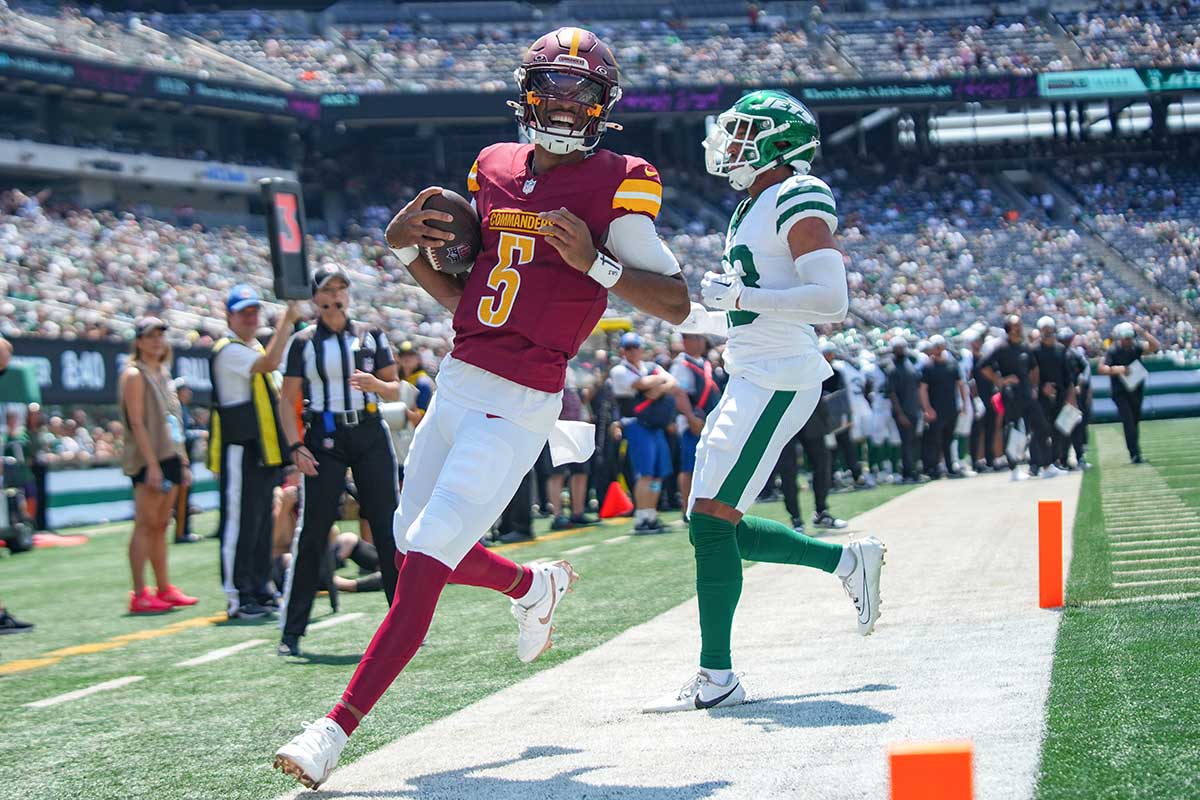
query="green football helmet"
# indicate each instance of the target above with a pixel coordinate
(764, 129)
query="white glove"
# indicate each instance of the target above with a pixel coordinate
(702, 321)
(721, 290)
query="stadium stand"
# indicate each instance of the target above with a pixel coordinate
(433, 47)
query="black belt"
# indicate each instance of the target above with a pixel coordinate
(343, 419)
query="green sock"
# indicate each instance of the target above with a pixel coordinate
(718, 586)
(761, 539)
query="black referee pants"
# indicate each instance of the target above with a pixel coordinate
(788, 470)
(1129, 407)
(366, 449)
(820, 462)
(245, 524)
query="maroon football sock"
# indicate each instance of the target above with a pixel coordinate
(403, 629)
(482, 567)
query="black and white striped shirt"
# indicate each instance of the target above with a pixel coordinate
(327, 360)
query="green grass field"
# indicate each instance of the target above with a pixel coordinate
(209, 731)
(1123, 719)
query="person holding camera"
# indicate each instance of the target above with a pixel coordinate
(344, 369)
(154, 459)
(247, 450)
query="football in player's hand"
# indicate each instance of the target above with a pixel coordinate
(458, 255)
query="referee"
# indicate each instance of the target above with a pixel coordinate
(247, 450)
(344, 369)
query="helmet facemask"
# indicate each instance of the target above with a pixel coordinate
(550, 93)
(738, 148)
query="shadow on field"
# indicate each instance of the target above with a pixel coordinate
(466, 783)
(330, 659)
(801, 711)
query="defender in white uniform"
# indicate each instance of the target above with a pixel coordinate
(781, 275)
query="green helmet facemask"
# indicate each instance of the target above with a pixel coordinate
(764, 129)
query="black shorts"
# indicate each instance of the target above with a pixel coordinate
(545, 466)
(172, 470)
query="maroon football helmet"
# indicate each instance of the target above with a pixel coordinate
(575, 71)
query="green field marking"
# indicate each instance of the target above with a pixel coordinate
(1122, 721)
(208, 730)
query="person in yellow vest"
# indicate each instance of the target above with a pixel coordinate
(247, 449)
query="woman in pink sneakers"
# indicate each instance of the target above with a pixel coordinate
(155, 459)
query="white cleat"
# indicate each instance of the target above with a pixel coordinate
(311, 756)
(863, 583)
(1017, 475)
(536, 621)
(700, 694)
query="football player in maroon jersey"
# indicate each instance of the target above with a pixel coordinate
(563, 224)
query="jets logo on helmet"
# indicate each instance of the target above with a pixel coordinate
(763, 130)
(569, 84)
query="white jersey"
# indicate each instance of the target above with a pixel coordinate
(774, 349)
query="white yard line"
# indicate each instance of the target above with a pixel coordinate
(338, 620)
(1152, 535)
(1160, 550)
(574, 551)
(85, 692)
(1146, 598)
(1156, 559)
(1135, 573)
(1164, 582)
(618, 539)
(1147, 542)
(217, 655)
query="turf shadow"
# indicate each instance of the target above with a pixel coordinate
(792, 711)
(466, 782)
(323, 658)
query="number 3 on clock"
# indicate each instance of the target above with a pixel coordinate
(513, 251)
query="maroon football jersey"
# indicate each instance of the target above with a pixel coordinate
(524, 311)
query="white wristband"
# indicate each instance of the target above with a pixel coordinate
(407, 255)
(605, 271)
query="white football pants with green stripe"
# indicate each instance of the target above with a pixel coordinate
(743, 437)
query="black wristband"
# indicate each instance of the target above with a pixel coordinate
(296, 447)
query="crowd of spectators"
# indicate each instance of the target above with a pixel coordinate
(418, 55)
(933, 251)
(122, 39)
(1148, 212)
(938, 48)
(1137, 34)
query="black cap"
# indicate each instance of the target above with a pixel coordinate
(327, 272)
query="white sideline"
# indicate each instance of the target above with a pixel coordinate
(116, 683)
(338, 620)
(217, 655)
(962, 651)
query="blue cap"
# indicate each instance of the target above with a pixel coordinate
(242, 296)
(630, 339)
